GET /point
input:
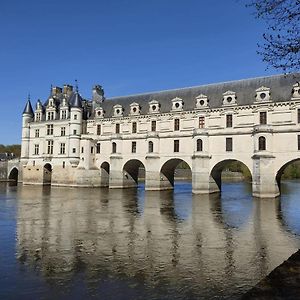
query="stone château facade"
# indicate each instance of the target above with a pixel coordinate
(69, 140)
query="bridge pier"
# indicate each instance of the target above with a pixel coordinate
(264, 183)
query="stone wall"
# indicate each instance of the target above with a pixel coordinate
(3, 170)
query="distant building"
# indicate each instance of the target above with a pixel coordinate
(7, 156)
(70, 140)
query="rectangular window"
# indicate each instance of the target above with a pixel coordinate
(98, 148)
(133, 147)
(263, 117)
(298, 115)
(75, 117)
(153, 125)
(63, 131)
(228, 144)
(38, 117)
(62, 148)
(201, 122)
(50, 129)
(50, 147)
(51, 115)
(82, 149)
(133, 127)
(176, 145)
(64, 114)
(64, 164)
(98, 129)
(36, 149)
(74, 150)
(117, 128)
(228, 121)
(298, 142)
(176, 124)
(37, 133)
(74, 131)
(92, 150)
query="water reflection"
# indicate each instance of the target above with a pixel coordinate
(132, 244)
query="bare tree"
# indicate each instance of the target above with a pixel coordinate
(281, 47)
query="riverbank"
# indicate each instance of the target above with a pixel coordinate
(282, 283)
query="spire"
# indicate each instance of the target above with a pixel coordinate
(76, 100)
(28, 108)
(76, 85)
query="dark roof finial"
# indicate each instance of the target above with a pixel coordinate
(76, 85)
(51, 89)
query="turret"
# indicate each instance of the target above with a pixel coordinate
(26, 119)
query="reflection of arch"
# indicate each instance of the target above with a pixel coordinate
(131, 170)
(13, 175)
(104, 169)
(281, 171)
(168, 169)
(47, 174)
(216, 171)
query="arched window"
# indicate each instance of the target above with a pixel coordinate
(199, 145)
(114, 147)
(261, 143)
(150, 147)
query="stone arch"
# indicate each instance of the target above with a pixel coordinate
(104, 173)
(47, 174)
(13, 174)
(131, 170)
(167, 172)
(281, 170)
(216, 171)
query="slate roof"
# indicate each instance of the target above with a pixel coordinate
(280, 85)
(28, 108)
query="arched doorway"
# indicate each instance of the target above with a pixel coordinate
(289, 171)
(133, 173)
(175, 171)
(104, 173)
(229, 170)
(47, 174)
(13, 175)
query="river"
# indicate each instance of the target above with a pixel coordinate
(76, 243)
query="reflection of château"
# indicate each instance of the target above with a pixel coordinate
(72, 141)
(64, 230)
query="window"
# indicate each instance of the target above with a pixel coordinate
(38, 117)
(176, 145)
(261, 143)
(298, 142)
(50, 147)
(36, 149)
(82, 149)
(201, 122)
(133, 127)
(153, 125)
(98, 148)
(114, 147)
(298, 115)
(63, 131)
(51, 115)
(74, 150)
(62, 148)
(98, 129)
(228, 144)
(228, 120)
(37, 133)
(74, 131)
(263, 117)
(50, 129)
(117, 128)
(133, 147)
(199, 145)
(150, 147)
(64, 164)
(176, 124)
(92, 150)
(75, 117)
(64, 114)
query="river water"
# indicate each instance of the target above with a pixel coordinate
(71, 243)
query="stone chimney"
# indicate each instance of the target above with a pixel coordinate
(68, 89)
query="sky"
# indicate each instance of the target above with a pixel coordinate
(127, 46)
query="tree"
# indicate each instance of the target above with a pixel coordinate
(281, 47)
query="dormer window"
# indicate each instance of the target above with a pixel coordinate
(296, 91)
(135, 109)
(118, 110)
(154, 107)
(177, 104)
(201, 101)
(99, 112)
(229, 98)
(263, 94)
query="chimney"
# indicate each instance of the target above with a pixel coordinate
(56, 90)
(68, 89)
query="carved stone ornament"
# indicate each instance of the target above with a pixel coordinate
(229, 98)
(154, 107)
(118, 110)
(177, 104)
(99, 112)
(201, 101)
(135, 109)
(263, 94)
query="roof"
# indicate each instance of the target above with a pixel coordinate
(28, 108)
(76, 100)
(280, 89)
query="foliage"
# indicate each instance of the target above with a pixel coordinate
(292, 171)
(16, 149)
(281, 47)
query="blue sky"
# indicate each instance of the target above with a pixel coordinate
(129, 46)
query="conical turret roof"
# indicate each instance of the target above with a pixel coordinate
(76, 100)
(28, 108)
